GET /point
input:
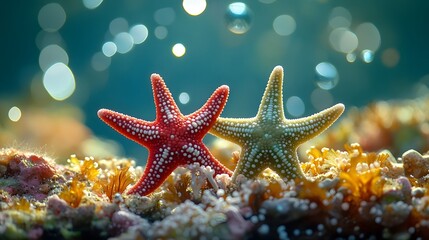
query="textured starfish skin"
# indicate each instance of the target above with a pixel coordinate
(172, 139)
(269, 139)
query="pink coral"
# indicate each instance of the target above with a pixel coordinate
(29, 171)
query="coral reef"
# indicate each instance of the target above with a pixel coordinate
(377, 189)
(348, 193)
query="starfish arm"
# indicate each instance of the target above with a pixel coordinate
(251, 163)
(237, 130)
(286, 164)
(306, 128)
(160, 164)
(135, 129)
(271, 107)
(203, 119)
(166, 107)
(200, 153)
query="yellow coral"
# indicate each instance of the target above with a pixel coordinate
(364, 178)
(73, 193)
(87, 168)
(21, 205)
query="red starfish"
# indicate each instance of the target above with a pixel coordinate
(172, 139)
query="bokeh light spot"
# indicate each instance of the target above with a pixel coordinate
(184, 98)
(59, 81)
(194, 7)
(124, 42)
(14, 114)
(139, 33)
(343, 40)
(367, 55)
(284, 25)
(295, 106)
(51, 17)
(326, 75)
(351, 57)
(92, 4)
(100, 62)
(178, 50)
(164, 16)
(161, 32)
(109, 49)
(238, 17)
(118, 25)
(369, 36)
(340, 17)
(52, 54)
(390, 57)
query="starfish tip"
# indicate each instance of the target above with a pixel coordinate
(102, 113)
(278, 68)
(340, 107)
(224, 88)
(155, 77)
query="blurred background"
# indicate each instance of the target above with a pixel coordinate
(61, 61)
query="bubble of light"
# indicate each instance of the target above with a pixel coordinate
(326, 75)
(109, 49)
(59, 81)
(161, 32)
(178, 50)
(100, 62)
(390, 57)
(139, 33)
(351, 57)
(184, 98)
(124, 42)
(52, 54)
(295, 106)
(14, 114)
(51, 17)
(238, 17)
(194, 7)
(321, 99)
(343, 40)
(118, 25)
(340, 17)
(92, 4)
(284, 25)
(369, 36)
(367, 55)
(164, 16)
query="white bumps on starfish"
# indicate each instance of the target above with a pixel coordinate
(269, 139)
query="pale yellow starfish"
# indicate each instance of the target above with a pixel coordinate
(269, 139)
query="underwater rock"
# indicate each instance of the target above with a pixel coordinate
(415, 165)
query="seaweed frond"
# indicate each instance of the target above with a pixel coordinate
(117, 182)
